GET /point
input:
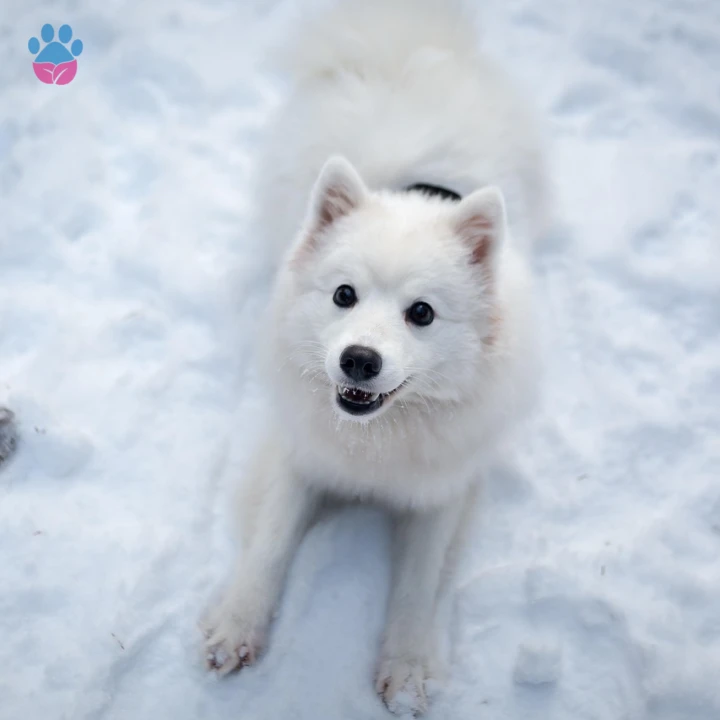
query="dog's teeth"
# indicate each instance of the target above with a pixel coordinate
(359, 397)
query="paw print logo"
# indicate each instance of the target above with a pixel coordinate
(55, 64)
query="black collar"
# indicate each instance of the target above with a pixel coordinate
(428, 189)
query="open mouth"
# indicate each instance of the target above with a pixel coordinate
(360, 402)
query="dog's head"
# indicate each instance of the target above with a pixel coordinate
(388, 298)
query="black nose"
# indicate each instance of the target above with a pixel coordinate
(360, 363)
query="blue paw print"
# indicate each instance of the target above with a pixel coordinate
(55, 52)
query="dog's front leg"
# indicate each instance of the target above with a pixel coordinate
(277, 508)
(423, 545)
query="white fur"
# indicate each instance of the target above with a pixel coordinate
(388, 94)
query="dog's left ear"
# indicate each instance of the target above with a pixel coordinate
(480, 222)
(338, 191)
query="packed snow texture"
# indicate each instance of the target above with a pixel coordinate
(591, 588)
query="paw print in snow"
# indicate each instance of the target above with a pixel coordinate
(8, 434)
(55, 64)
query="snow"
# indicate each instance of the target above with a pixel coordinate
(591, 589)
(538, 662)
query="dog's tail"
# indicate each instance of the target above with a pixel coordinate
(368, 37)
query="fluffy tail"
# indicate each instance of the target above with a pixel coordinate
(366, 37)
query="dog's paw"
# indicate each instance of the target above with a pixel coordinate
(230, 644)
(402, 684)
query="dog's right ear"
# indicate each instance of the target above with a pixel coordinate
(338, 191)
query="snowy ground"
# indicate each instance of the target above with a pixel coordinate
(592, 588)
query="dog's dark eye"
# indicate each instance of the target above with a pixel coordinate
(345, 296)
(420, 313)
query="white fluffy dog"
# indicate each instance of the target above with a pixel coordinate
(403, 183)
